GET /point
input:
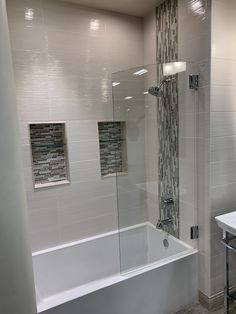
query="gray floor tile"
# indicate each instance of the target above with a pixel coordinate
(198, 309)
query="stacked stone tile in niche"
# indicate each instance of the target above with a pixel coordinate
(112, 147)
(49, 158)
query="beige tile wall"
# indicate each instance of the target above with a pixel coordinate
(222, 131)
(63, 60)
(194, 47)
(209, 40)
(151, 127)
(194, 120)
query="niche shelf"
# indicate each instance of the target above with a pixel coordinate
(113, 149)
(49, 154)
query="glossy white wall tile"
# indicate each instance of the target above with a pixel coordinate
(151, 123)
(223, 46)
(150, 38)
(63, 57)
(194, 47)
(223, 126)
(85, 150)
(223, 172)
(223, 98)
(223, 72)
(87, 228)
(86, 170)
(223, 197)
(223, 123)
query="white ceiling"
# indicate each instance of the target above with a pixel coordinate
(132, 7)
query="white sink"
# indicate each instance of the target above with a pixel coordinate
(227, 222)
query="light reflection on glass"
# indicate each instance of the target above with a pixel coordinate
(198, 8)
(94, 25)
(115, 84)
(140, 72)
(172, 68)
(104, 89)
(29, 14)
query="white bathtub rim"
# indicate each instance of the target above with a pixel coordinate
(82, 290)
(107, 234)
(77, 292)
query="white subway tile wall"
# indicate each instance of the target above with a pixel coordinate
(194, 121)
(222, 131)
(207, 37)
(151, 125)
(63, 66)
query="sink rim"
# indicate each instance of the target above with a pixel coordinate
(227, 226)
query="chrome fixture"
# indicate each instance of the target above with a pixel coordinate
(163, 222)
(166, 243)
(228, 295)
(157, 91)
(194, 232)
(193, 82)
(168, 201)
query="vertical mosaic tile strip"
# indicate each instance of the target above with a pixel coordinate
(168, 124)
(112, 143)
(49, 158)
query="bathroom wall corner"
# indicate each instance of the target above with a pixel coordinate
(17, 292)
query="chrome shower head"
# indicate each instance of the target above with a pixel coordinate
(157, 91)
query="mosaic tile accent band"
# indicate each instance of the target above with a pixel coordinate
(168, 124)
(112, 144)
(49, 158)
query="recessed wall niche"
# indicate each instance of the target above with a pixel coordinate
(113, 151)
(49, 154)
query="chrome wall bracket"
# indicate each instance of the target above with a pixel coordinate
(194, 232)
(194, 81)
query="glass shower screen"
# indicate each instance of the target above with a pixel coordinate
(155, 115)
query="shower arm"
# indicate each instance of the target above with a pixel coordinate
(167, 79)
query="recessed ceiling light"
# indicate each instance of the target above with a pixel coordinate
(140, 72)
(145, 93)
(128, 97)
(115, 84)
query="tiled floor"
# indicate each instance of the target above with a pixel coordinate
(198, 309)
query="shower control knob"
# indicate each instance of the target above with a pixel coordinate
(168, 201)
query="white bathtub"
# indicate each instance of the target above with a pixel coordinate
(84, 277)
